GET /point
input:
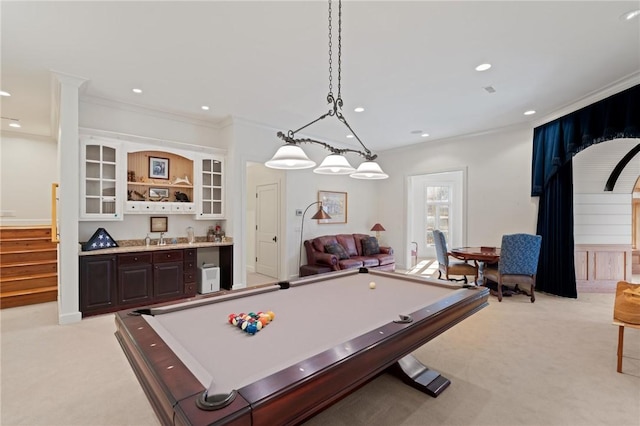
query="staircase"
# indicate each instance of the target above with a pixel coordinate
(28, 266)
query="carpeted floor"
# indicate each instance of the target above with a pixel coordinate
(552, 362)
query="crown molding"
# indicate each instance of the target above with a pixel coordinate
(215, 124)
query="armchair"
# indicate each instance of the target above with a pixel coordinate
(518, 262)
(447, 267)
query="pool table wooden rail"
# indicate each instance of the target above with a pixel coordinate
(289, 396)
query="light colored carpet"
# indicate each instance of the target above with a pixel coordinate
(513, 363)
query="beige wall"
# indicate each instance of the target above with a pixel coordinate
(29, 166)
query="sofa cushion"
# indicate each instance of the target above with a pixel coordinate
(319, 242)
(337, 249)
(367, 261)
(384, 258)
(358, 239)
(370, 246)
(349, 243)
(350, 263)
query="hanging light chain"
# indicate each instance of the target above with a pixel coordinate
(330, 95)
(339, 48)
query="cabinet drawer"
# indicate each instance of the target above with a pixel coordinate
(189, 277)
(132, 259)
(190, 254)
(167, 256)
(189, 289)
(189, 266)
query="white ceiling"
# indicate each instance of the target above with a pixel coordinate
(410, 64)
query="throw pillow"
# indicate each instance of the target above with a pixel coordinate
(338, 250)
(370, 246)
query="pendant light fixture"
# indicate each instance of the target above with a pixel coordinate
(290, 156)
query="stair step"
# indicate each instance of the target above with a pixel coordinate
(23, 256)
(28, 282)
(16, 232)
(29, 268)
(28, 297)
(7, 246)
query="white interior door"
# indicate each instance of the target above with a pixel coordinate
(267, 232)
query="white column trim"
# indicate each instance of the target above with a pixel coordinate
(66, 95)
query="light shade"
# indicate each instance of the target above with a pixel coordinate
(321, 214)
(378, 227)
(334, 164)
(369, 170)
(290, 157)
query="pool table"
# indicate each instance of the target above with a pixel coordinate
(331, 334)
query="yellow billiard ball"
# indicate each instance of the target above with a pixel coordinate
(372, 285)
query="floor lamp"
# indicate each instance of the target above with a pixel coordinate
(320, 214)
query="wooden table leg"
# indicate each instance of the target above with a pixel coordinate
(620, 346)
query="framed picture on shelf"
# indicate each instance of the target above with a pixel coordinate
(159, 224)
(335, 204)
(158, 193)
(158, 168)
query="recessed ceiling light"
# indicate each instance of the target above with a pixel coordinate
(425, 135)
(14, 124)
(358, 109)
(3, 93)
(349, 136)
(630, 15)
(205, 108)
(137, 90)
(530, 112)
(483, 67)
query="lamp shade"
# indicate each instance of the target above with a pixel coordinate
(334, 164)
(290, 157)
(321, 214)
(369, 170)
(378, 227)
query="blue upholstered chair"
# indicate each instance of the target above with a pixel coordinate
(447, 267)
(518, 262)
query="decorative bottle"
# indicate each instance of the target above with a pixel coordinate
(147, 241)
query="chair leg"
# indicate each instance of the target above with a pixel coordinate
(533, 288)
(499, 289)
(439, 275)
(620, 345)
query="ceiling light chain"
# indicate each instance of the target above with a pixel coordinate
(291, 157)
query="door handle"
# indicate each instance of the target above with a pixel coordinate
(275, 239)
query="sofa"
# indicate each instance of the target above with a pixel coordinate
(346, 251)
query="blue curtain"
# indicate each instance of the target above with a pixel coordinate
(554, 145)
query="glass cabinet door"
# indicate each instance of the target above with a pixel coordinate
(100, 198)
(211, 197)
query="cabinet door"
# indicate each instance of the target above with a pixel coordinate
(210, 203)
(101, 182)
(135, 284)
(168, 280)
(98, 291)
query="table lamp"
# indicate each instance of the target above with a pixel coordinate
(377, 227)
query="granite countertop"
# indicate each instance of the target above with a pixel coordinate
(130, 246)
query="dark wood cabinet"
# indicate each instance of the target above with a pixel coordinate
(168, 281)
(189, 270)
(98, 291)
(112, 282)
(135, 279)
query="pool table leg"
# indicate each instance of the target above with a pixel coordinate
(418, 375)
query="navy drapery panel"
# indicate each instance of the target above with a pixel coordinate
(554, 145)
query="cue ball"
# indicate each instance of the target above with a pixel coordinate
(372, 284)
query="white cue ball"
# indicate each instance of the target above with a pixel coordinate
(372, 284)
